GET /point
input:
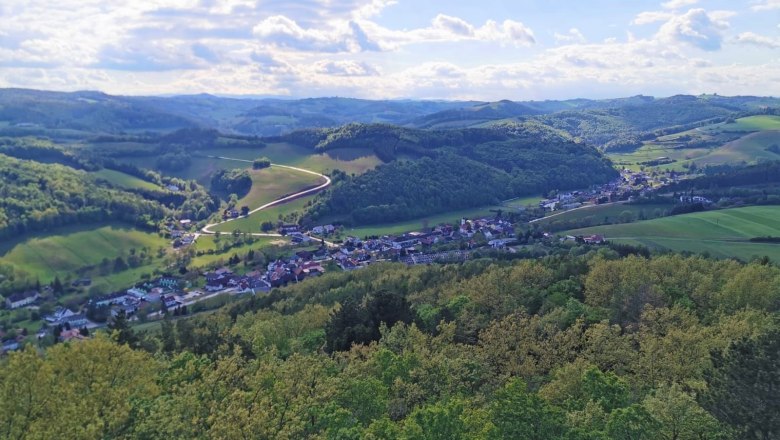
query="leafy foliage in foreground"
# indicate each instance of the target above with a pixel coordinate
(573, 346)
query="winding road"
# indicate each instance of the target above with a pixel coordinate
(208, 228)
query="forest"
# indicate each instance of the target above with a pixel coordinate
(582, 344)
(458, 169)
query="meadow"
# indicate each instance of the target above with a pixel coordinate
(756, 133)
(272, 183)
(62, 252)
(607, 213)
(123, 180)
(722, 233)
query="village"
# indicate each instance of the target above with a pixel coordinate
(315, 250)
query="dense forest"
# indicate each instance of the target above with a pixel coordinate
(579, 345)
(36, 196)
(458, 169)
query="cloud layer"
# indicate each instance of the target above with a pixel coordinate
(348, 47)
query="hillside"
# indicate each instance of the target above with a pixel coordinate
(458, 169)
(38, 196)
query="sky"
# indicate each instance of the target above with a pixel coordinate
(396, 49)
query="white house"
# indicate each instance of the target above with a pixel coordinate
(22, 299)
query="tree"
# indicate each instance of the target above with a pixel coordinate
(518, 413)
(631, 423)
(56, 286)
(121, 332)
(266, 226)
(168, 337)
(679, 417)
(245, 210)
(260, 163)
(743, 386)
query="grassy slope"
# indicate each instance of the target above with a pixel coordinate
(48, 255)
(723, 233)
(252, 223)
(599, 212)
(451, 217)
(123, 180)
(760, 132)
(271, 183)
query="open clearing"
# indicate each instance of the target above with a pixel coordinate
(269, 184)
(123, 180)
(451, 217)
(723, 234)
(754, 135)
(47, 255)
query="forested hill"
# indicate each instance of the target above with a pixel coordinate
(580, 345)
(451, 169)
(35, 196)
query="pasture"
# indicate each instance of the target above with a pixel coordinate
(123, 180)
(722, 234)
(272, 183)
(60, 254)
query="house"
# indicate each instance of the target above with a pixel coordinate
(107, 300)
(594, 239)
(72, 334)
(170, 302)
(59, 314)
(288, 229)
(75, 321)
(137, 293)
(22, 299)
(172, 187)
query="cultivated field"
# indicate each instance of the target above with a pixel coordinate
(723, 234)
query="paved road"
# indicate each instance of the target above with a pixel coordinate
(208, 228)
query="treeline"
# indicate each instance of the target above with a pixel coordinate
(36, 196)
(407, 189)
(461, 169)
(577, 346)
(235, 181)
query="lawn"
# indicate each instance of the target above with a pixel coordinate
(123, 180)
(61, 253)
(722, 233)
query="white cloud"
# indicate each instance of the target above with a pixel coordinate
(454, 25)
(766, 5)
(573, 36)
(651, 17)
(754, 39)
(345, 68)
(696, 28)
(677, 4)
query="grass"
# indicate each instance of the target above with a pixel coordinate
(723, 234)
(272, 183)
(62, 252)
(758, 132)
(451, 217)
(208, 243)
(523, 201)
(605, 213)
(252, 222)
(122, 180)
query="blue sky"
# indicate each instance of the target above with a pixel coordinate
(486, 50)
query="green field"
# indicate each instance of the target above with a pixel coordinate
(722, 234)
(252, 222)
(757, 133)
(48, 255)
(272, 183)
(523, 202)
(207, 242)
(452, 217)
(608, 213)
(122, 180)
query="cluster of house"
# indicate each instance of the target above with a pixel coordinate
(181, 233)
(224, 279)
(587, 239)
(163, 291)
(688, 199)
